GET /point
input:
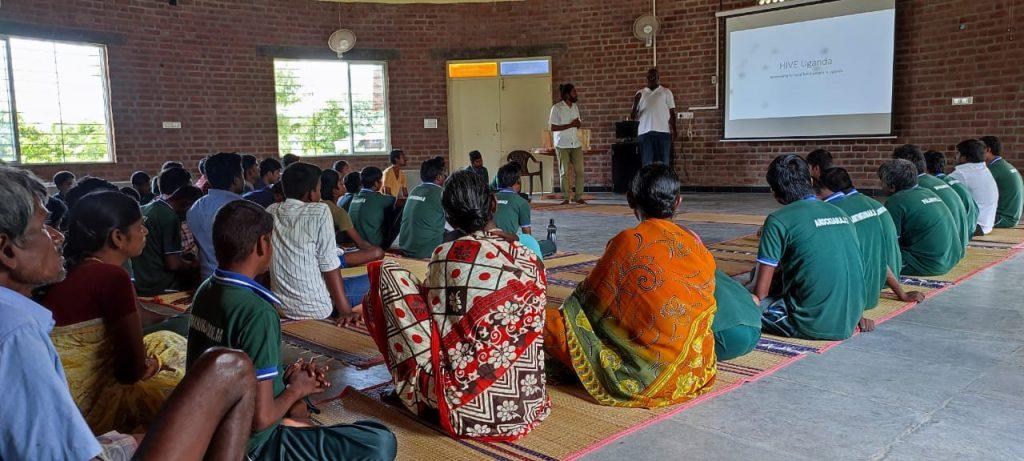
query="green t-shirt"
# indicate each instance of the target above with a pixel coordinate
(735, 306)
(513, 212)
(970, 206)
(151, 276)
(422, 221)
(955, 205)
(367, 213)
(1011, 192)
(929, 238)
(233, 311)
(815, 246)
(876, 242)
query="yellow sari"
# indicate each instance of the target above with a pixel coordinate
(88, 359)
(637, 330)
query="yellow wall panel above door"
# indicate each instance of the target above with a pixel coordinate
(472, 69)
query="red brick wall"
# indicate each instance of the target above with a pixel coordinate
(197, 63)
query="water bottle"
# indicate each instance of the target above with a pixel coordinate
(552, 230)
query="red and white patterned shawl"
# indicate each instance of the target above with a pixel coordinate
(467, 341)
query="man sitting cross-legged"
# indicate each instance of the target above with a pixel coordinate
(344, 231)
(305, 269)
(233, 310)
(972, 172)
(928, 236)
(956, 206)
(814, 245)
(1008, 181)
(935, 162)
(876, 234)
(376, 216)
(423, 223)
(513, 215)
(162, 266)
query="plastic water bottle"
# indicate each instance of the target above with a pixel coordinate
(552, 231)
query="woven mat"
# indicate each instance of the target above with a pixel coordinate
(561, 436)
(168, 304)
(351, 345)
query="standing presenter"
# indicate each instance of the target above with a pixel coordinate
(565, 124)
(655, 108)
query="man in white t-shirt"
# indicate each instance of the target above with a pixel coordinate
(655, 108)
(565, 124)
(974, 174)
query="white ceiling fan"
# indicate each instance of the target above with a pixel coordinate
(341, 41)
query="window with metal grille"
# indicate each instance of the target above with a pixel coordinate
(54, 102)
(331, 107)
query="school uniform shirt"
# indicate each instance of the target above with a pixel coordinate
(978, 179)
(58, 212)
(392, 183)
(953, 202)
(970, 206)
(928, 237)
(342, 221)
(200, 219)
(513, 212)
(563, 114)
(815, 246)
(422, 221)
(304, 248)
(1011, 192)
(39, 419)
(263, 197)
(735, 305)
(367, 212)
(151, 275)
(232, 310)
(876, 240)
(345, 201)
(482, 171)
(653, 110)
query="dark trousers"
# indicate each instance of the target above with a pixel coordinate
(362, 440)
(655, 146)
(390, 227)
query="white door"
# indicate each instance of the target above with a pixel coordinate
(473, 122)
(525, 107)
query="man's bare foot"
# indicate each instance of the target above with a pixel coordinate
(913, 296)
(564, 202)
(866, 324)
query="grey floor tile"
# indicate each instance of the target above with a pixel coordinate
(932, 345)
(805, 420)
(879, 377)
(683, 441)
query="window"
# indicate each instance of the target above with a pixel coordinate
(331, 107)
(54, 102)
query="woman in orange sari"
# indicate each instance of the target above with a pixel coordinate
(637, 330)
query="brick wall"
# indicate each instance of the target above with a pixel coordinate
(197, 63)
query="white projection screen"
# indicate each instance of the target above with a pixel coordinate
(821, 70)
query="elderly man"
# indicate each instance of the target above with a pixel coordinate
(210, 411)
(928, 234)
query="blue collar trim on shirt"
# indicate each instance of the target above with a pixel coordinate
(810, 197)
(940, 175)
(998, 158)
(431, 184)
(11, 299)
(852, 191)
(835, 197)
(239, 280)
(367, 190)
(507, 190)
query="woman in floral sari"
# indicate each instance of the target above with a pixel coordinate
(637, 330)
(467, 341)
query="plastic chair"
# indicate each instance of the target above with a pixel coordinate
(523, 159)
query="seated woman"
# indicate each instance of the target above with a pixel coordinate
(637, 330)
(118, 378)
(484, 296)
